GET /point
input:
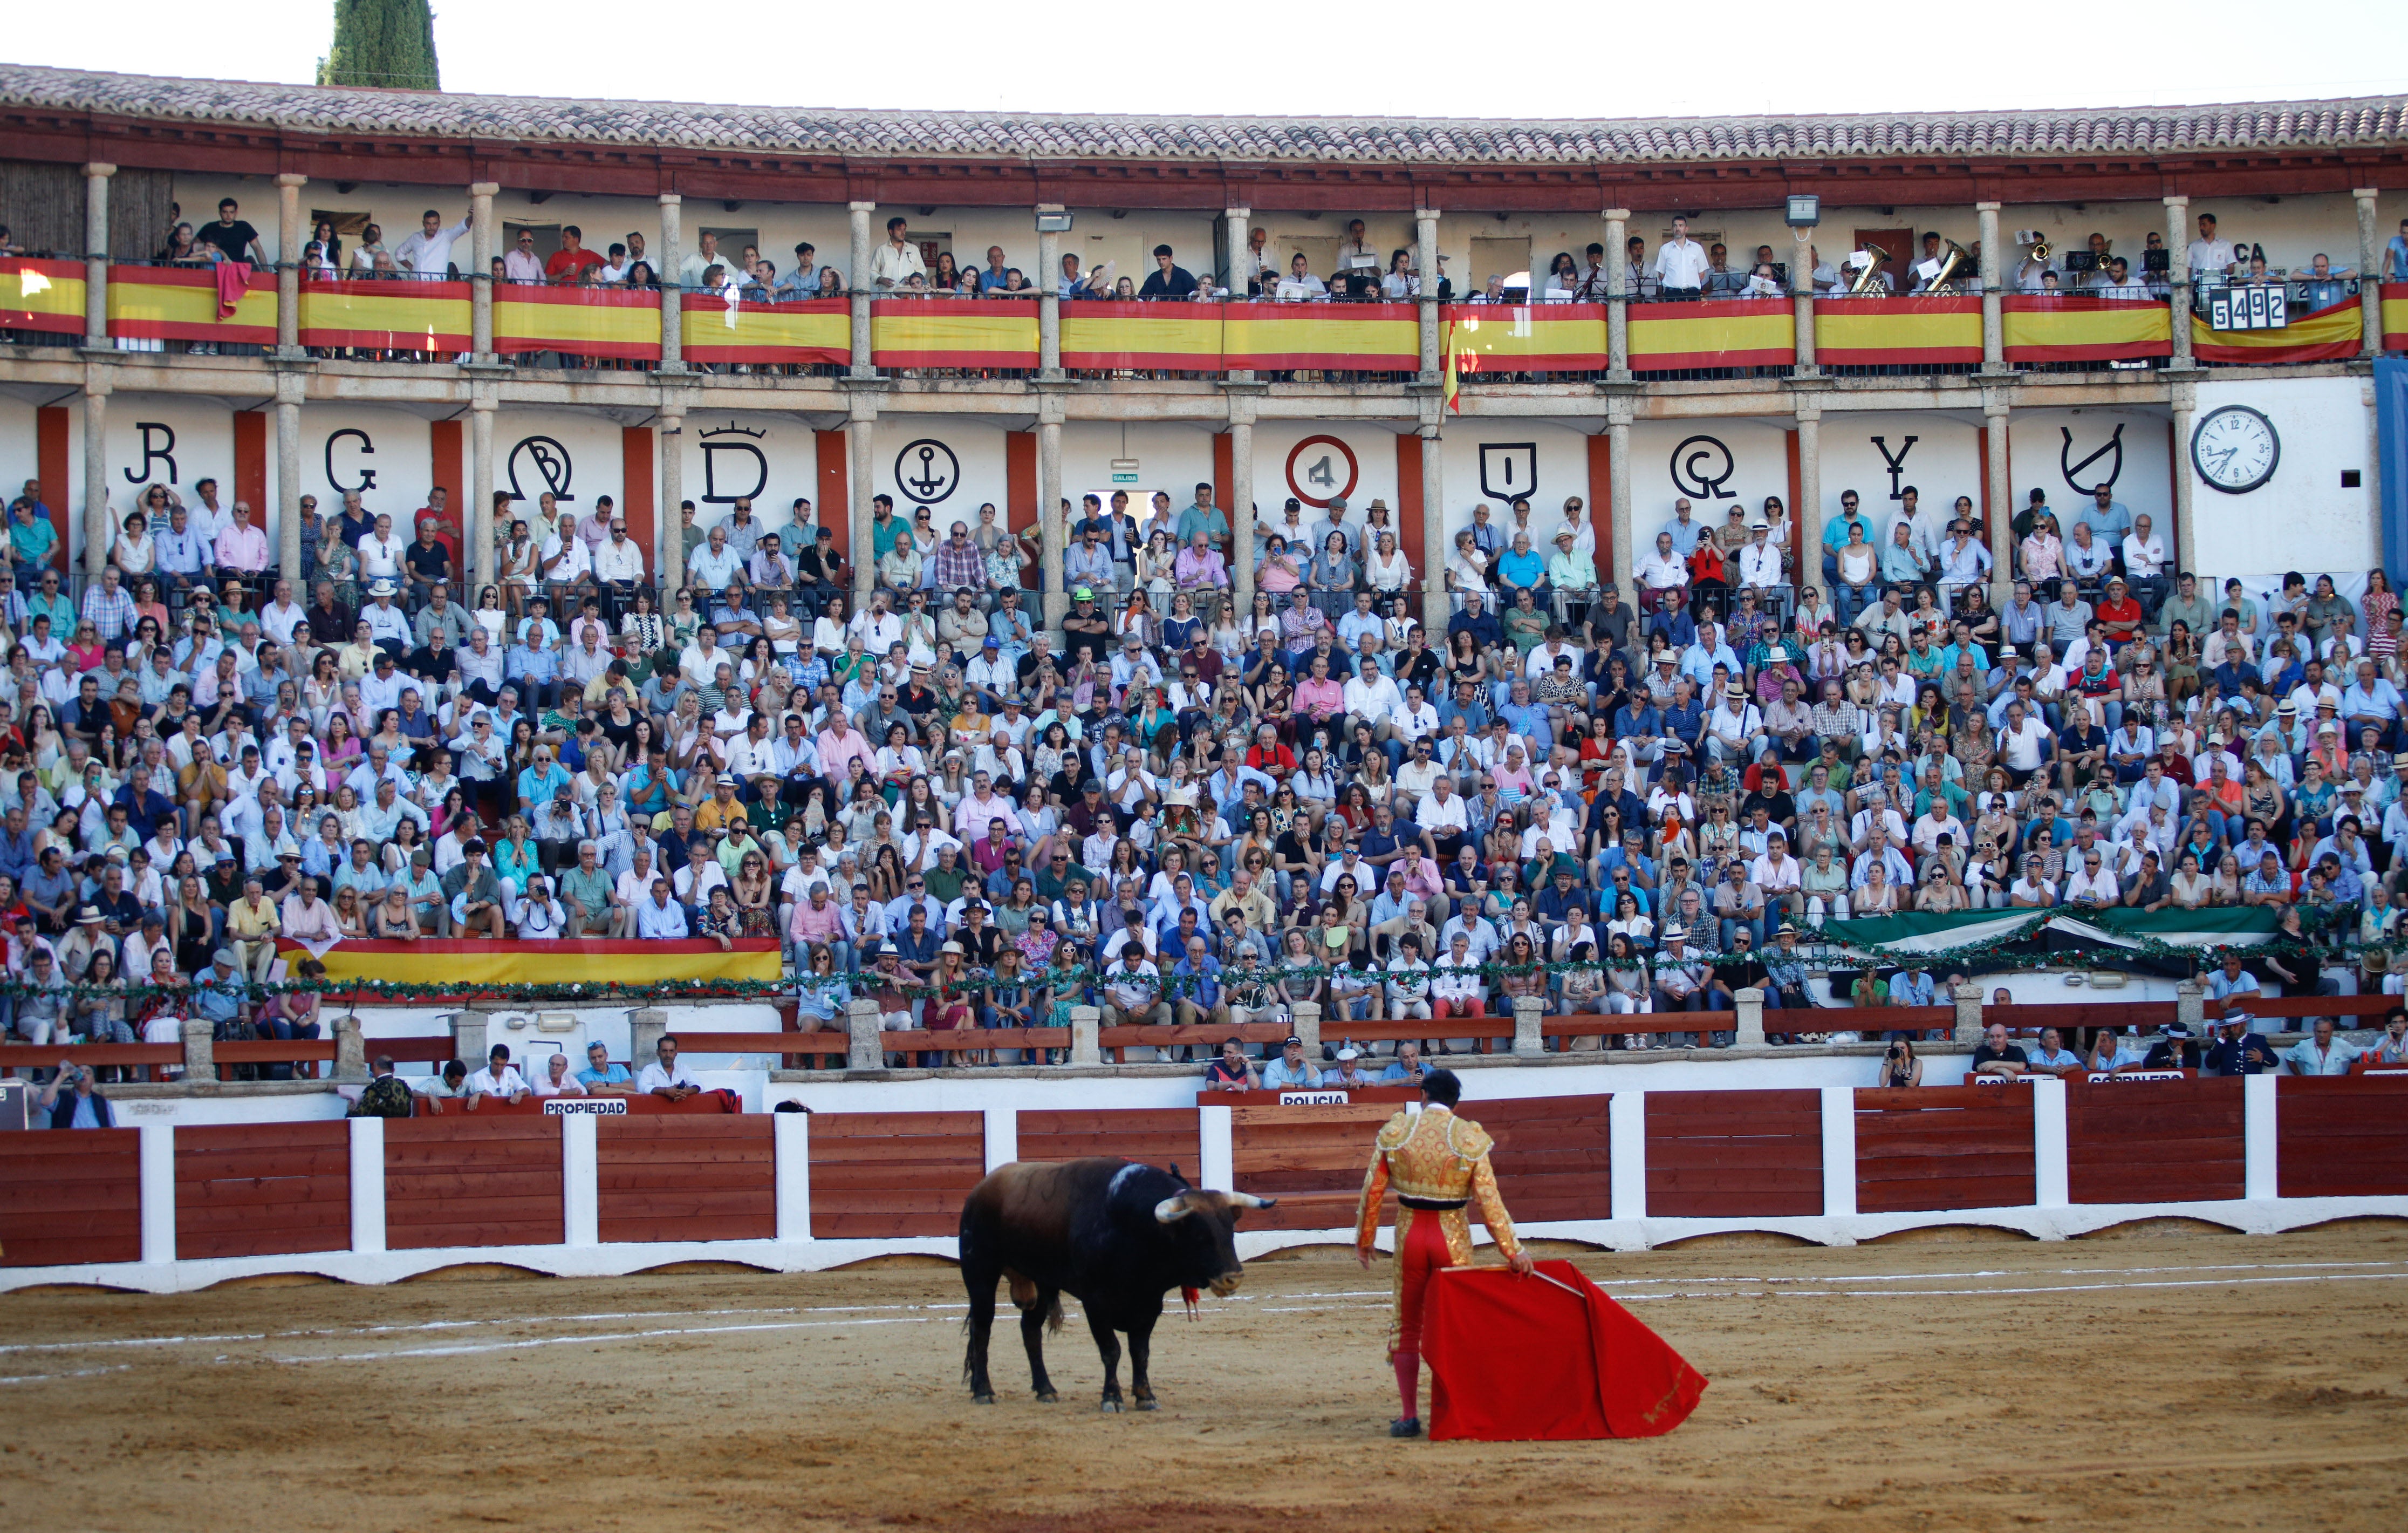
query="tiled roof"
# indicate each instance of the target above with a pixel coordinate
(2373, 121)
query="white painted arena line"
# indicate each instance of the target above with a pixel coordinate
(79, 1373)
(469, 1349)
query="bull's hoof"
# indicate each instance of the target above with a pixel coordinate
(1147, 1402)
(1110, 1407)
(982, 1399)
(1046, 1397)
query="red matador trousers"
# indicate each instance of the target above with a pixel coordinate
(1421, 1252)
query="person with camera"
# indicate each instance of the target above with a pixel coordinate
(73, 1101)
(1899, 1066)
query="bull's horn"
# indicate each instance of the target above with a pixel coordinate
(1248, 1200)
(1170, 1211)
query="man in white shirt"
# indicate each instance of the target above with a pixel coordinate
(2145, 564)
(660, 916)
(1680, 264)
(1372, 698)
(428, 253)
(1759, 559)
(665, 1078)
(522, 265)
(381, 552)
(898, 260)
(499, 1077)
(279, 617)
(2208, 255)
(700, 260)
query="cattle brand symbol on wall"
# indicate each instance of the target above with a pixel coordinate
(1702, 465)
(732, 439)
(1509, 470)
(927, 471)
(2114, 469)
(1897, 462)
(551, 463)
(367, 449)
(1321, 470)
(158, 446)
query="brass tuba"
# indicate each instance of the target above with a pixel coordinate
(1952, 257)
(1869, 279)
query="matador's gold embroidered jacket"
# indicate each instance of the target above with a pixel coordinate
(1434, 1154)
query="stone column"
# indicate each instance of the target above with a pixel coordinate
(2186, 403)
(1086, 1036)
(644, 1030)
(1801, 289)
(1425, 236)
(350, 1049)
(1433, 578)
(1994, 330)
(288, 479)
(672, 293)
(1240, 222)
(860, 291)
(2370, 275)
(289, 240)
(1049, 297)
(200, 1049)
(1617, 322)
(1806, 553)
(671, 519)
(2190, 1006)
(861, 486)
(1967, 1000)
(469, 1031)
(1529, 1017)
(96, 475)
(1626, 540)
(1053, 534)
(2001, 518)
(2177, 240)
(477, 523)
(481, 272)
(864, 1051)
(1240, 509)
(1307, 1026)
(95, 253)
(1748, 1032)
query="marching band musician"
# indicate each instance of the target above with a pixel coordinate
(1440, 1165)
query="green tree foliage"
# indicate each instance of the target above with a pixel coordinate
(383, 42)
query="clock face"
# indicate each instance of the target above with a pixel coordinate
(2235, 449)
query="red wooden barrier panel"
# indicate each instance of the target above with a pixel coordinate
(2340, 1135)
(791, 1047)
(1311, 1159)
(2149, 1013)
(687, 1178)
(1734, 1154)
(70, 1197)
(1943, 1147)
(2153, 1140)
(458, 1180)
(883, 1175)
(2355, 1011)
(719, 1100)
(1205, 1041)
(1553, 1155)
(966, 1040)
(1650, 1023)
(1163, 1136)
(263, 1188)
(25, 1056)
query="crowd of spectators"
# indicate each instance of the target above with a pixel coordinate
(1169, 807)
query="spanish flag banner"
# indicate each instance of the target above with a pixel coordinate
(2078, 328)
(1382, 337)
(44, 296)
(817, 330)
(1888, 332)
(952, 333)
(2395, 316)
(471, 963)
(2331, 333)
(382, 315)
(1520, 338)
(1177, 336)
(577, 321)
(1720, 333)
(180, 303)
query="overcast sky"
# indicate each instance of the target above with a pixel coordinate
(1402, 59)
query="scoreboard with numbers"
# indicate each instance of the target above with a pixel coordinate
(2261, 308)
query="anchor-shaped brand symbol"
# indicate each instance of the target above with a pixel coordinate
(927, 469)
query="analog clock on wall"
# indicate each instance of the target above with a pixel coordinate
(2235, 449)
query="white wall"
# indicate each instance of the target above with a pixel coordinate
(201, 431)
(2302, 518)
(1944, 462)
(587, 454)
(1561, 469)
(20, 452)
(398, 453)
(1752, 462)
(1173, 460)
(2041, 454)
(728, 453)
(1374, 450)
(976, 475)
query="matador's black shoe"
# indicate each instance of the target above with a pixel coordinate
(1405, 1427)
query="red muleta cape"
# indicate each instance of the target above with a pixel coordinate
(1522, 1359)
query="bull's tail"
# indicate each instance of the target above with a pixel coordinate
(1053, 1312)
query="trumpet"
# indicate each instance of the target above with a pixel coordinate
(1869, 279)
(2040, 253)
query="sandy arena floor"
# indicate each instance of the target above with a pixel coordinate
(2188, 1382)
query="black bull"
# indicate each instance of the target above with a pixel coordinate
(1115, 1235)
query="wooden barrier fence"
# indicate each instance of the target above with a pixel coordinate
(372, 1199)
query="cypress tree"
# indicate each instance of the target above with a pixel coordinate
(383, 42)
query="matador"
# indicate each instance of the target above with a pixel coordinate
(1440, 1165)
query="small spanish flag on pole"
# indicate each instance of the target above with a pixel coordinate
(1454, 360)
